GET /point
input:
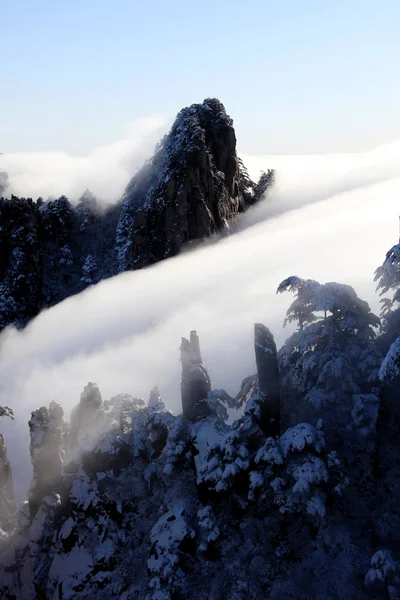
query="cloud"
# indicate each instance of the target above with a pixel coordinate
(125, 332)
(305, 179)
(105, 171)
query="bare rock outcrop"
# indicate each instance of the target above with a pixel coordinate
(268, 379)
(192, 188)
(7, 504)
(87, 416)
(196, 382)
(47, 431)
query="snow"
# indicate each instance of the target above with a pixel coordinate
(166, 536)
(299, 437)
(365, 412)
(309, 472)
(270, 453)
(316, 506)
(388, 274)
(71, 569)
(84, 492)
(390, 367)
(221, 453)
(382, 567)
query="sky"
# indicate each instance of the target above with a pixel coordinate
(298, 77)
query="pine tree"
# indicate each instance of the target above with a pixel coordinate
(334, 352)
(388, 278)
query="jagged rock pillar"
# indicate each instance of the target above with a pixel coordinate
(47, 452)
(7, 504)
(87, 416)
(195, 379)
(268, 379)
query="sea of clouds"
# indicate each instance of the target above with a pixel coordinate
(329, 218)
(105, 171)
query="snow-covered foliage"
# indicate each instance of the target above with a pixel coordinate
(177, 447)
(209, 530)
(388, 280)
(219, 401)
(365, 413)
(254, 191)
(19, 260)
(332, 356)
(390, 367)
(66, 257)
(388, 274)
(119, 411)
(221, 454)
(250, 424)
(167, 537)
(294, 467)
(340, 300)
(150, 427)
(89, 270)
(123, 239)
(6, 411)
(383, 574)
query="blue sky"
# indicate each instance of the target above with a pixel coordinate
(297, 76)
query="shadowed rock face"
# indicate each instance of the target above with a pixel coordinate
(7, 505)
(192, 188)
(268, 379)
(86, 416)
(195, 379)
(47, 452)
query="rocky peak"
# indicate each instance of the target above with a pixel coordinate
(47, 447)
(268, 379)
(196, 383)
(260, 393)
(156, 404)
(86, 417)
(193, 187)
(7, 505)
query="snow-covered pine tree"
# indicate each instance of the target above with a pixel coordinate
(6, 411)
(334, 352)
(89, 270)
(331, 359)
(387, 277)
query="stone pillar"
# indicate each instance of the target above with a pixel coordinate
(47, 452)
(7, 504)
(195, 379)
(87, 416)
(268, 379)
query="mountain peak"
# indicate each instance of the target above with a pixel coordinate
(192, 187)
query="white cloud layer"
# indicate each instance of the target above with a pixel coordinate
(105, 171)
(124, 333)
